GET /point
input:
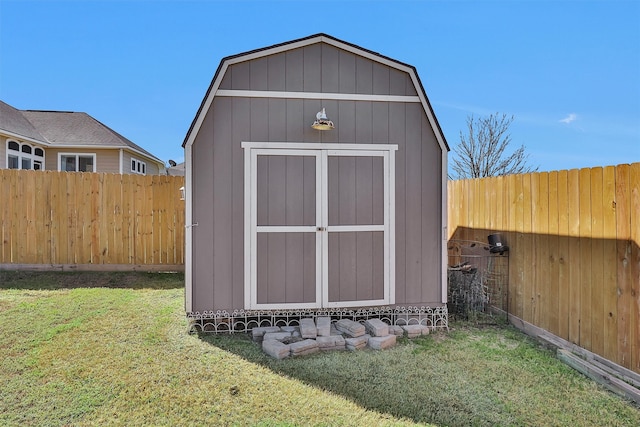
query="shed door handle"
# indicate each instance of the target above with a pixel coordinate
(321, 229)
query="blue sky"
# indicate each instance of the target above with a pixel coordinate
(569, 71)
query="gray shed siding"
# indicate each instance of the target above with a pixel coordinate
(318, 68)
(218, 164)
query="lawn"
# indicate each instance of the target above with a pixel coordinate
(112, 349)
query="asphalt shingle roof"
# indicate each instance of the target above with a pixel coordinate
(12, 120)
(63, 128)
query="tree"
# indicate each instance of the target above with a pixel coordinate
(482, 151)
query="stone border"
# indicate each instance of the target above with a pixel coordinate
(321, 334)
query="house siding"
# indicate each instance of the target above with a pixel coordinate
(152, 167)
(107, 161)
(3, 151)
(217, 156)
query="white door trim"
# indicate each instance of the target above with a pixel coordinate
(322, 229)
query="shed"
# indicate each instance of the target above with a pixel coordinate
(343, 218)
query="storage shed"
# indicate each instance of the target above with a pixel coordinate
(316, 177)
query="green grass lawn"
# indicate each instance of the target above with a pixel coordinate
(112, 349)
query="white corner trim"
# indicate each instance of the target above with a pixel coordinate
(445, 225)
(188, 234)
(247, 228)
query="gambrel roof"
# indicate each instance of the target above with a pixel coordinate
(225, 63)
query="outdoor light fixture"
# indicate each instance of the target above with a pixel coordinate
(322, 122)
(496, 245)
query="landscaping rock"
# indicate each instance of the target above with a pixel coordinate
(257, 334)
(413, 331)
(304, 347)
(358, 343)
(308, 328)
(376, 328)
(278, 336)
(276, 349)
(311, 336)
(333, 342)
(334, 331)
(291, 339)
(323, 326)
(350, 328)
(380, 343)
(396, 330)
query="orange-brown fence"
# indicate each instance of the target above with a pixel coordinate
(574, 237)
(574, 258)
(90, 220)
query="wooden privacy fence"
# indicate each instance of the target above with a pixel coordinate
(90, 221)
(574, 258)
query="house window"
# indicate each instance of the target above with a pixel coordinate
(69, 162)
(138, 167)
(24, 156)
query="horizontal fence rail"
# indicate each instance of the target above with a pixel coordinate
(574, 258)
(91, 220)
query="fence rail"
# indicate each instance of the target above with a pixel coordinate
(574, 238)
(91, 219)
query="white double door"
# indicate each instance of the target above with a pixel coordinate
(319, 225)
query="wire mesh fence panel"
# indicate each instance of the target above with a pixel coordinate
(477, 280)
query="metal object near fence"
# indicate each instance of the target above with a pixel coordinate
(477, 279)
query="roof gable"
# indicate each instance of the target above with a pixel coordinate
(230, 75)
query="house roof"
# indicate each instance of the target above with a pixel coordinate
(316, 38)
(64, 129)
(72, 128)
(14, 122)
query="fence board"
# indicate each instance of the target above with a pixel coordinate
(634, 193)
(563, 254)
(585, 258)
(542, 247)
(574, 258)
(528, 249)
(553, 246)
(5, 235)
(610, 277)
(536, 262)
(623, 234)
(515, 270)
(573, 195)
(62, 218)
(596, 265)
